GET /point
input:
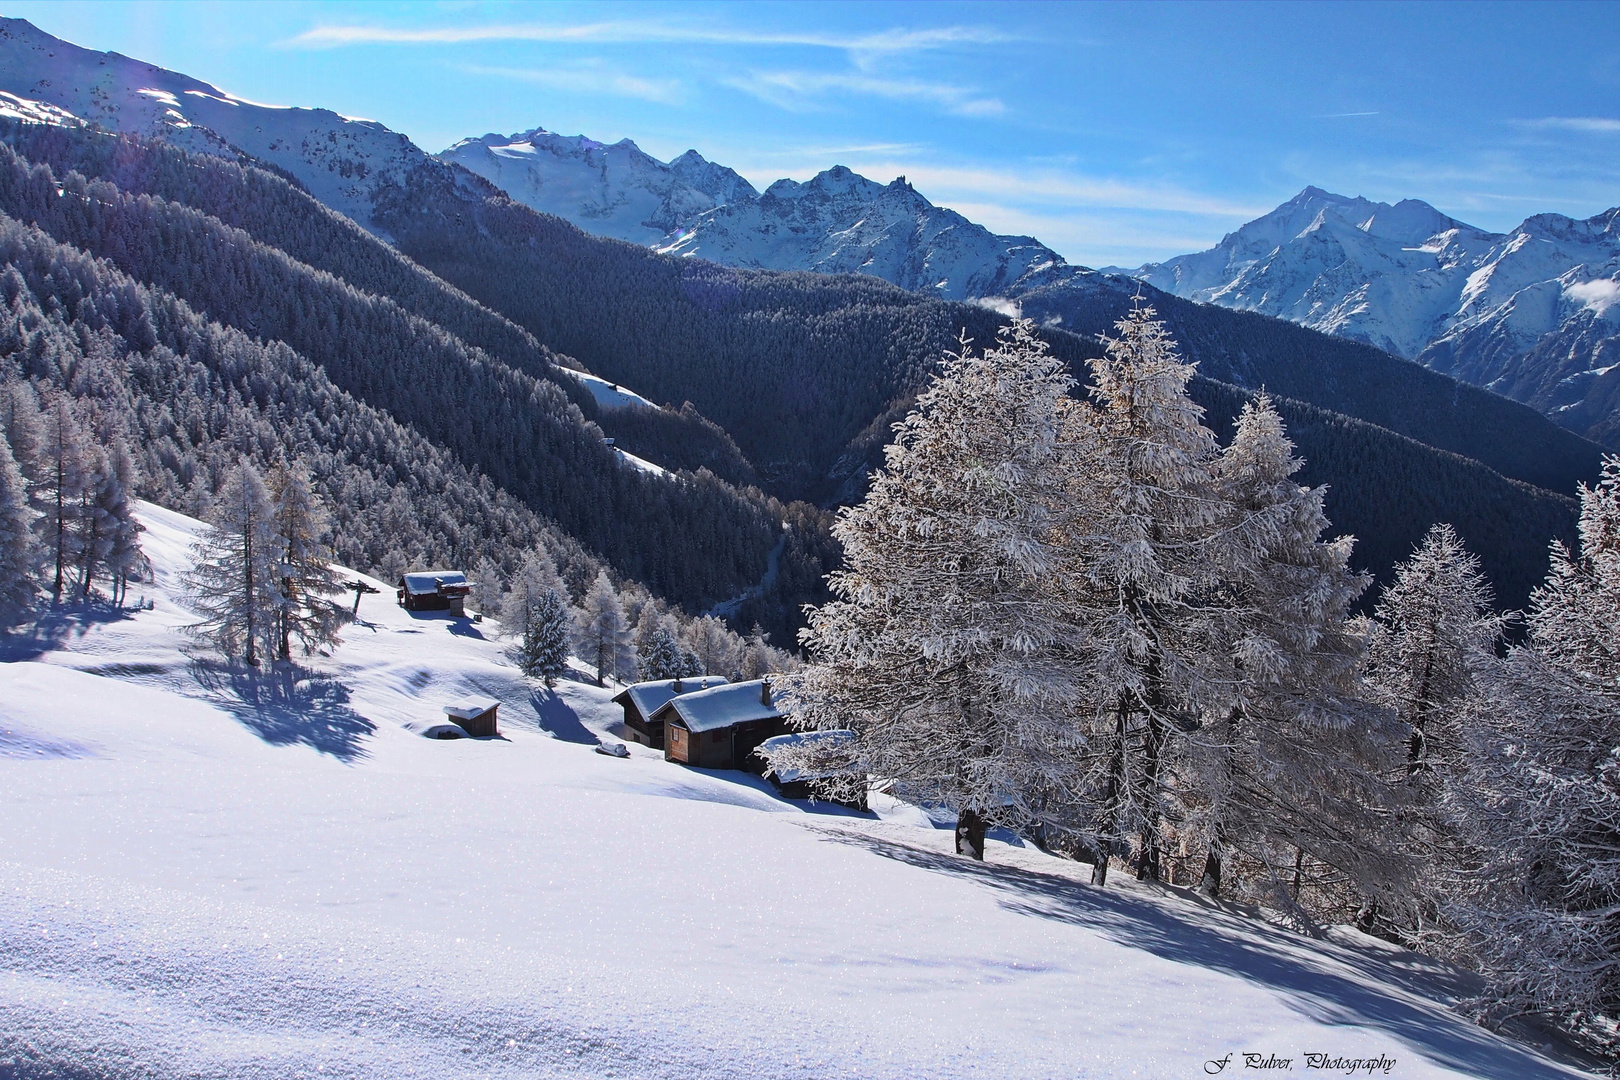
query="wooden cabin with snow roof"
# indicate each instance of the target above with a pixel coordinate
(722, 727)
(642, 700)
(435, 590)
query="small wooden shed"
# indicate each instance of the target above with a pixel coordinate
(476, 715)
(642, 700)
(434, 590)
(821, 755)
(720, 728)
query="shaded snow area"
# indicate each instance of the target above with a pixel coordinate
(206, 873)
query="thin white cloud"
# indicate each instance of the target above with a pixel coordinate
(1061, 188)
(588, 78)
(634, 31)
(1605, 125)
(1342, 115)
(805, 90)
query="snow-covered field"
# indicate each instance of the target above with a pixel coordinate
(207, 874)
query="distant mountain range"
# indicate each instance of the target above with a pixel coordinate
(1530, 314)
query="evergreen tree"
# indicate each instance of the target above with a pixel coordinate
(19, 553)
(1535, 795)
(1435, 626)
(545, 638)
(305, 577)
(660, 657)
(604, 632)
(942, 650)
(236, 579)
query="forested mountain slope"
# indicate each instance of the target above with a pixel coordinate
(519, 430)
(807, 371)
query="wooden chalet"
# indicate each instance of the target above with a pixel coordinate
(642, 700)
(435, 590)
(826, 754)
(720, 728)
(475, 715)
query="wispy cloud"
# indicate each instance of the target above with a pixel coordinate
(803, 90)
(588, 77)
(1059, 188)
(1342, 115)
(635, 31)
(1604, 124)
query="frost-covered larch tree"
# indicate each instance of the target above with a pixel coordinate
(1289, 758)
(305, 577)
(604, 632)
(1535, 793)
(944, 647)
(1435, 627)
(235, 580)
(63, 483)
(118, 546)
(19, 552)
(1139, 569)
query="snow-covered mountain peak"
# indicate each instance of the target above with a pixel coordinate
(342, 161)
(615, 189)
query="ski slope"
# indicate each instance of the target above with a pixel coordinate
(213, 874)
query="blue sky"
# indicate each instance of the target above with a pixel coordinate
(1116, 133)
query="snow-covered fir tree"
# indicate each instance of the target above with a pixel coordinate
(1535, 794)
(19, 551)
(308, 583)
(1435, 627)
(604, 633)
(660, 657)
(1289, 760)
(944, 648)
(716, 648)
(544, 651)
(235, 582)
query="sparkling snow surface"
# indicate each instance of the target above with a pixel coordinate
(208, 874)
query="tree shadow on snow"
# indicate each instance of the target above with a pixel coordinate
(288, 704)
(1310, 975)
(57, 626)
(559, 718)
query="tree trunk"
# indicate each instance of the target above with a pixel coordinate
(61, 534)
(1116, 791)
(1214, 864)
(1299, 871)
(1148, 869)
(970, 834)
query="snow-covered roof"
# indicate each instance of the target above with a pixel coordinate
(469, 708)
(830, 741)
(722, 707)
(425, 582)
(650, 696)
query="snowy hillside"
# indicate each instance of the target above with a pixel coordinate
(1414, 282)
(218, 874)
(343, 161)
(616, 190)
